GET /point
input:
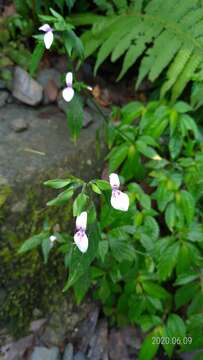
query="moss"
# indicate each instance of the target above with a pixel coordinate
(27, 283)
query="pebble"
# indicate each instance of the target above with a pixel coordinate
(19, 125)
(68, 353)
(43, 353)
(26, 89)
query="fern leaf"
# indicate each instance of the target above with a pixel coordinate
(131, 56)
(175, 68)
(109, 44)
(162, 59)
(185, 76)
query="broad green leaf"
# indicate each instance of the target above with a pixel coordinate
(146, 150)
(62, 198)
(103, 249)
(170, 215)
(149, 347)
(75, 116)
(36, 57)
(95, 188)
(187, 204)
(117, 156)
(46, 247)
(167, 261)
(57, 183)
(32, 243)
(79, 204)
(131, 111)
(103, 184)
(80, 263)
(81, 286)
(182, 107)
(186, 293)
(186, 278)
(155, 290)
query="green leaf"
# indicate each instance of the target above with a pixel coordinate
(103, 184)
(131, 111)
(117, 156)
(170, 216)
(36, 58)
(103, 249)
(80, 204)
(96, 189)
(62, 198)
(146, 150)
(149, 347)
(182, 107)
(168, 260)
(57, 183)
(121, 250)
(175, 145)
(187, 205)
(175, 328)
(32, 243)
(186, 293)
(80, 263)
(186, 278)
(155, 290)
(75, 116)
(46, 247)
(81, 286)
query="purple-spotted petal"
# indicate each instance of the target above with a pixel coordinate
(119, 200)
(69, 79)
(81, 241)
(114, 180)
(48, 39)
(45, 28)
(68, 94)
(81, 221)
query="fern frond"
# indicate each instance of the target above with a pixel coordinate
(164, 33)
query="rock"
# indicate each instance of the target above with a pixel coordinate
(19, 125)
(68, 353)
(16, 350)
(42, 353)
(26, 89)
(117, 348)
(87, 329)
(79, 356)
(99, 343)
(50, 79)
(37, 325)
(3, 97)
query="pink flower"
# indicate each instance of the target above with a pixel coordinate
(80, 237)
(68, 92)
(119, 200)
(48, 36)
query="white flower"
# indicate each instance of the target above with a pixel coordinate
(68, 92)
(80, 237)
(119, 200)
(48, 36)
(52, 240)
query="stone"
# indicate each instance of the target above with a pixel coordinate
(3, 97)
(99, 343)
(87, 329)
(50, 79)
(19, 125)
(79, 356)
(68, 353)
(43, 353)
(26, 89)
(37, 325)
(16, 350)
(117, 347)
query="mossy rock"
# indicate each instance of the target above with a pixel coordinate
(26, 283)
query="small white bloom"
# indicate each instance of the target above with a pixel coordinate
(119, 200)
(48, 36)
(80, 237)
(68, 92)
(52, 240)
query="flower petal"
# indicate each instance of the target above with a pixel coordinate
(81, 241)
(48, 39)
(119, 200)
(69, 78)
(81, 221)
(68, 94)
(52, 238)
(114, 180)
(45, 27)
